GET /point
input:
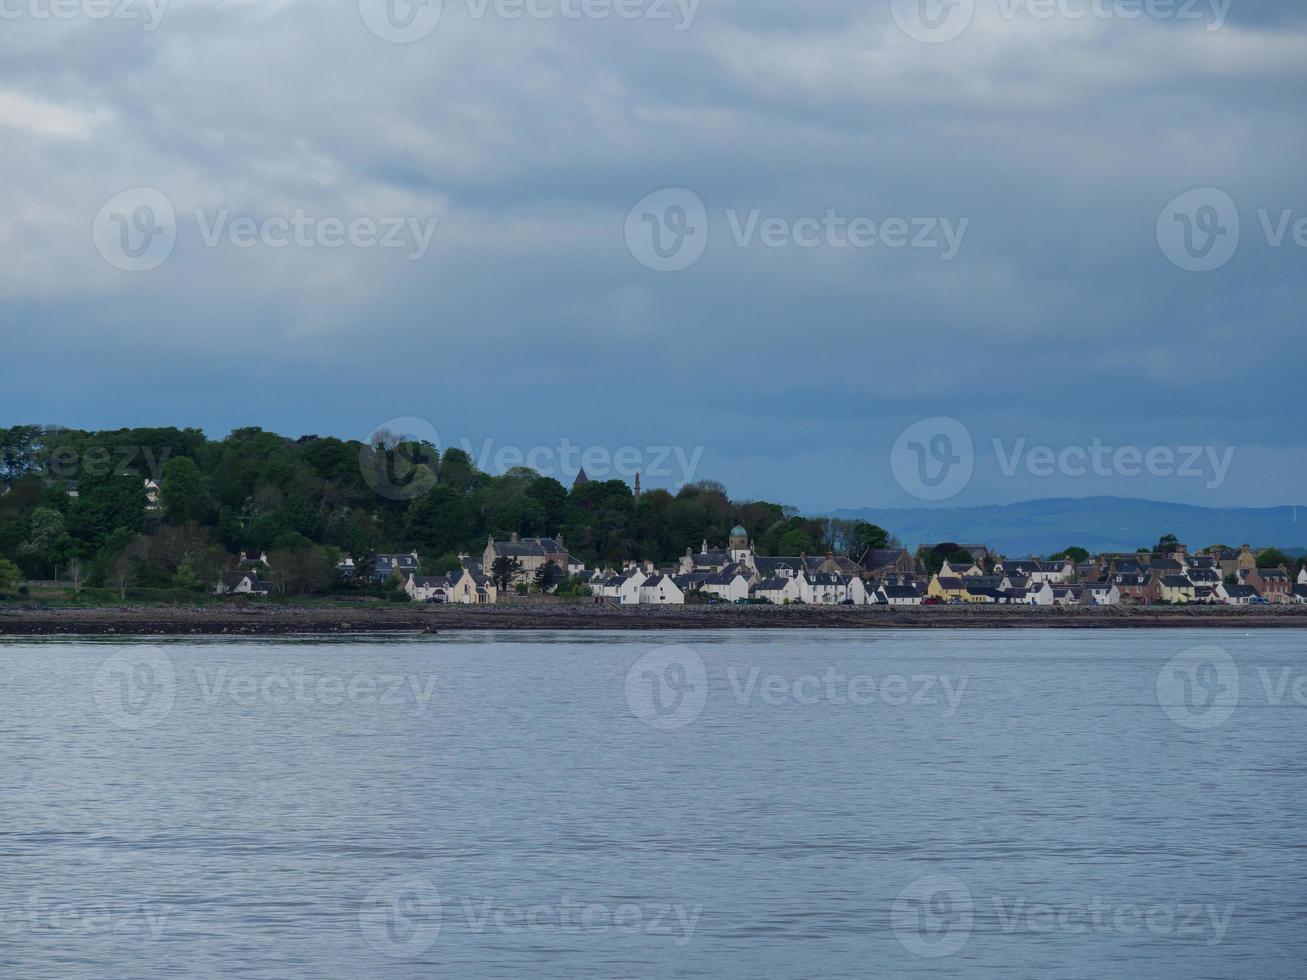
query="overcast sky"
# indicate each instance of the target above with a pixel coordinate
(970, 214)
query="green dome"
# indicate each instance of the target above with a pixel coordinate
(739, 532)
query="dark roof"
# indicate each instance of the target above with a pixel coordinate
(1176, 582)
(900, 592)
(1241, 591)
(874, 558)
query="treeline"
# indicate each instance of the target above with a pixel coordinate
(73, 505)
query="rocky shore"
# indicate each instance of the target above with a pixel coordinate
(288, 620)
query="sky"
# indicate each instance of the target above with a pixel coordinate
(836, 254)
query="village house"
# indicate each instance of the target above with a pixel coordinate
(242, 582)
(1037, 571)
(1274, 584)
(1102, 594)
(428, 589)
(728, 585)
(947, 589)
(532, 554)
(900, 595)
(661, 590)
(955, 568)
(1175, 588)
(828, 589)
(1240, 595)
(878, 563)
(778, 591)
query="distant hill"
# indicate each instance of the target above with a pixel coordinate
(1097, 523)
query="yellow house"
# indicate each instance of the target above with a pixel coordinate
(1175, 588)
(947, 589)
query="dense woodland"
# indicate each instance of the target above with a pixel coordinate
(73, 506)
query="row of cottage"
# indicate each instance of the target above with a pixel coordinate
(881, 576)
(890, 576)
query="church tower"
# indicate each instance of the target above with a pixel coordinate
(740, 550)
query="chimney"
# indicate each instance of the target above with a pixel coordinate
(513, 538)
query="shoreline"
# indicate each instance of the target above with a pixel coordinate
(308, 620)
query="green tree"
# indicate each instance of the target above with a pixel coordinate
(1075, 554)
(182, 493)
(10, 575)
(864, 536)
(503, 570)
(546, 574)
(1273, 558)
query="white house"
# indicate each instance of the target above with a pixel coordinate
(900, 595)
(627, 588)
(661, 590)
(778, 591)
(1041, 594)
(725, 585)
(829, 589)
(428, 589)
(1102, 594)
(1037, 571)
(240, 583)
(1302, 576)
